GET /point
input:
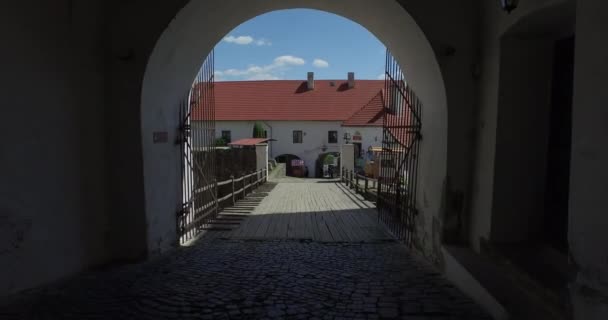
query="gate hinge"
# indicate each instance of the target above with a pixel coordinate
(184, 210)
(182, 132)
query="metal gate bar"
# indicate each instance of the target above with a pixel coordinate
(197, 147)
(401, 137)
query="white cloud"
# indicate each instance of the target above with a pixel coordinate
(288, 60)
(263, 42)
(380, 76)
(245, 40)
(239, 39)
(320, 63)
(271, 71)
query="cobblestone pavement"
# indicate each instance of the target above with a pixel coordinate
(230, 279)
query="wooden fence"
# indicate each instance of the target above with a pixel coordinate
(239, 187)
(363, 185)
(202, 210)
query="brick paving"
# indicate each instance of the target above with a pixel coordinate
(225, 278)
(230, 279)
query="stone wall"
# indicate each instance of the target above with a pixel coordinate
(53, 178)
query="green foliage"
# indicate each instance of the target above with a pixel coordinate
(258, 130)
(329, 159)
(219, 142)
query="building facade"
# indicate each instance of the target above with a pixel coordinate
(306, 119)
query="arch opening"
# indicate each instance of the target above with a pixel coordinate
(193, 34)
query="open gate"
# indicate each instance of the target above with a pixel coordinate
(401, 135)
(197, 146)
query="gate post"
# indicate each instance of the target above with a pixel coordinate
(349, 177)
(365, 190)
(232, 178)
(217, 204)
(356, 182)
(244, 186)
(379, 195)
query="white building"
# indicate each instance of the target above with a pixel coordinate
(306, 118)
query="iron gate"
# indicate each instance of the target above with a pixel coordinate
(401, 137)
(197, 145)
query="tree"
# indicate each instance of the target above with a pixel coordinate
(329, 159)
(220, 142)
(258, 130)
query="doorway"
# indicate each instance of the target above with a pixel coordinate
(532, 160)
(557, 186)
(358, 165)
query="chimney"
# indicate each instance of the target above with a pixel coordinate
(311, 80)
(351, 80)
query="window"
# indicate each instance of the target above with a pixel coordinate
(297, 136)
(332, 137)
(226, 136)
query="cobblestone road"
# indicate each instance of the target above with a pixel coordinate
(223, 278)
(228, 279)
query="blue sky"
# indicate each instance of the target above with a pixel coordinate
(287, 44)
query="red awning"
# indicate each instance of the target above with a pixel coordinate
(250, 141)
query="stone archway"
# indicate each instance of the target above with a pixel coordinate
(201, 24)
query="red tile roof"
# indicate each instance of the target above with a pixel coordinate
(370, 115)
(291, 100)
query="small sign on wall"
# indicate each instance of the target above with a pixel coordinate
(160, 137)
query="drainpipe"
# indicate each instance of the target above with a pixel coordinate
(269, 142)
